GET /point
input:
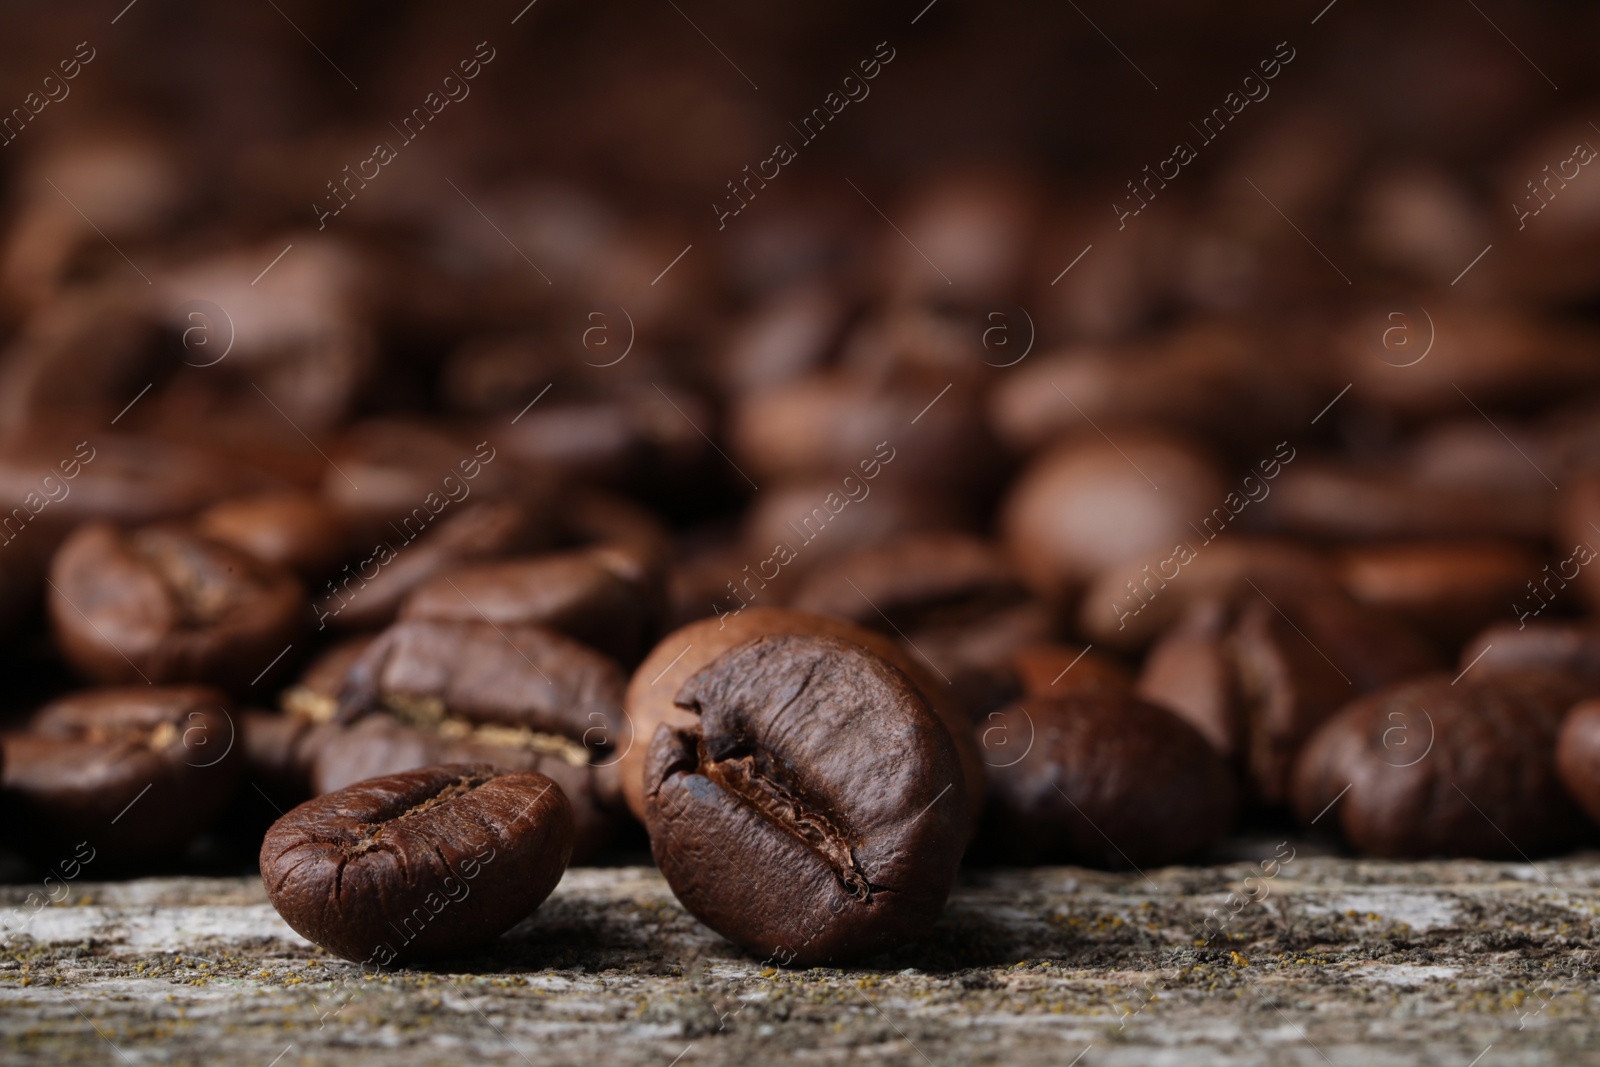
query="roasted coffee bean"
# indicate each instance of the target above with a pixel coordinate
(652, 691)
(977, 656)
(519, 697)
(1577, 523)
(56, 483)
(1578, 756)
(1054, 668)
(1129, 605)
(1571, 649)
(279, 750)
(135, 771)
(1103, 779)
(160, 604)
(912, 582)
(594, 595)
(1257, 672)
(391, 470)
(843, 427)
(1427, 768)
(1192, 672)
(1088, 505)
(356, 599)
(523, 676)
(428, 863)
(298, 531)
(786, 521)
(812, 811)
(340, 756)
(1380, 502)
(1445, 588)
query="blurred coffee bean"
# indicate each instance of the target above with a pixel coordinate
(785, 337)
(54, 483)
(1192, 672)
(1448, 589)
(299, 335)
(1339, 501)
(162, 604)
(1129, 605)
(136, 772)
(978, 225)
(1570, 649)
(847, 429)
(517, 676)
(1421, 219)
(295, 530)
(611, 437)
(356, 600)
(1193, 380)
(1578, 756)
(433, 862)
(912, 582)
(801, 812)
(1577, 536)
(315, 695)
(1055, 668)
(787, 521)
(1101, 778)
(85, 351)
(404, 471)
(1493, 354)
(976, 655)
(1089, 504)
(1428, 768)
(591, 595)
(656, 681)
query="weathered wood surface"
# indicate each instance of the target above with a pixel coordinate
(1343, 962)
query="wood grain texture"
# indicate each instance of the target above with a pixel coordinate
(1338, 961)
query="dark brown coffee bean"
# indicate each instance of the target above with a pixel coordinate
(298, 531)
(1329, 500)
(1055, 668)
(520, 697)
(1479, 348)
(1577, 538)
(1428, 768)
(594, 595)
(394, 470)
(136, 771)
(339, 756)
(1578, 756)
(518, 676)
(838, 425)
(1448, 589)
(161, 604)
(652, 691)
(279, 750)
(1129, 605)
(793, 526)
(1101, 778)
(1299, 659)
(115, 477)
(1089, 505)
(804, 813)
(1571, 649)
(912, 582)
(1192, 672)
(976, 656)
(432, 862)
(368, 593)
(1194, 380)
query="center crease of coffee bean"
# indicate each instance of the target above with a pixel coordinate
(741, 776)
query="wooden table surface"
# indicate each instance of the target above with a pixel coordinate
(1327, 961)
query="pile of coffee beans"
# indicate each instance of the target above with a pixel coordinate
(507, 508)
